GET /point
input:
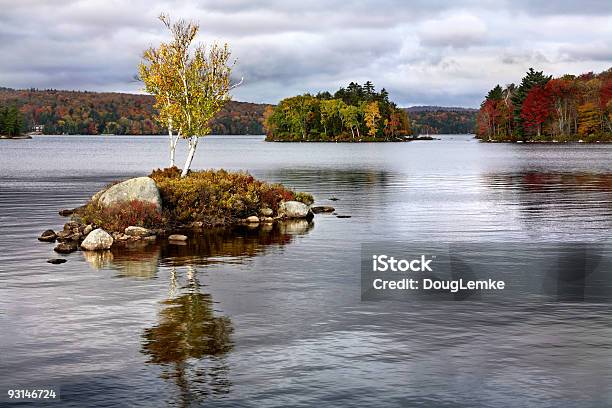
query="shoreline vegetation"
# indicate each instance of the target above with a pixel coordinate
(164, 204)
(543, 109)
(353, 114)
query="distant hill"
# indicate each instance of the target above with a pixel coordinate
(90, 113)
(75, 112)
(442, 119)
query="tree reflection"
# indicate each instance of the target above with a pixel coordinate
(190, 342)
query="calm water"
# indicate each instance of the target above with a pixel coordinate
(273, 317)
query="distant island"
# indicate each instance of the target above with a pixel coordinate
(353, 114)
(547, 109)
(54, 111)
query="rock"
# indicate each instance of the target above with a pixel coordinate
(267, 220)
(87, 229)
(177, 237)
(66, 212)
(97, 240)
(322, 209)
(71, 226)
(197, 224)
(48, 236)
(343, 216)
(65, 247)
(266, 212)
(150, 238)
(56, 261)
(64, 236)
(294, 209)
(333, 199)
(139, 188)
(253, 219)
(138, 231)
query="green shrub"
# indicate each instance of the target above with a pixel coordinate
(118, 217)
(304, 198)
(216, 197)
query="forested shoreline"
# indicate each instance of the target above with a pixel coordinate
(546, 109)
(93, 113)
(353, 114)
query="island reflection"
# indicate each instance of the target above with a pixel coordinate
(190, 341)
(142, 259)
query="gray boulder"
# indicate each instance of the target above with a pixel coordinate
(139, 188)
(97, 240)
(138, 232)
(177, 237)
(294, 209)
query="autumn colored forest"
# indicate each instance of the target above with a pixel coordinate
(542, 108)
(441, 120)
(353, 114)
(92, 113)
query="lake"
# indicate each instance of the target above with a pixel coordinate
(273, 317)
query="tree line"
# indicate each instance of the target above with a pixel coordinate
(438, 120)
(94, 113)
(11, 121)
(355, 113)
(543, 108)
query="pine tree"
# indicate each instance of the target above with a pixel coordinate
(531, 79)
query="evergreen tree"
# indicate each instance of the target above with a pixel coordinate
(531, 79)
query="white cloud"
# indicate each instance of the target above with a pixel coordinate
(438, 52)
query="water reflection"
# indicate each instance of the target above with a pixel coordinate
(232, 246)
(141, 259)
(190, 342)
(540, 198)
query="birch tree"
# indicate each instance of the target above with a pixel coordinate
(191, 83)
(160, 79)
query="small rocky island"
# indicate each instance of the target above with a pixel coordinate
(164, 205)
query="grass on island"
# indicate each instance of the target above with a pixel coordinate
(212, 197)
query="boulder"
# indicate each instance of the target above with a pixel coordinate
(266, 212)
(322, 209)
(138, 232)
(253, 219)
(139, 188)
(294, 209)
(48, 236)
(65, 247)
(66, 212)
(87, 229)
(97, 240)
(56, 261)
(177, 237)
(63, 236)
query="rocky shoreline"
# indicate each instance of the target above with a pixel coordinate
(78, 234)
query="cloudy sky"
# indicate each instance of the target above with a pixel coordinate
(442, 52)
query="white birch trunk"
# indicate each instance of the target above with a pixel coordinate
(193, 143)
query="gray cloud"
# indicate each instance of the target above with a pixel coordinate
(424, 52)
